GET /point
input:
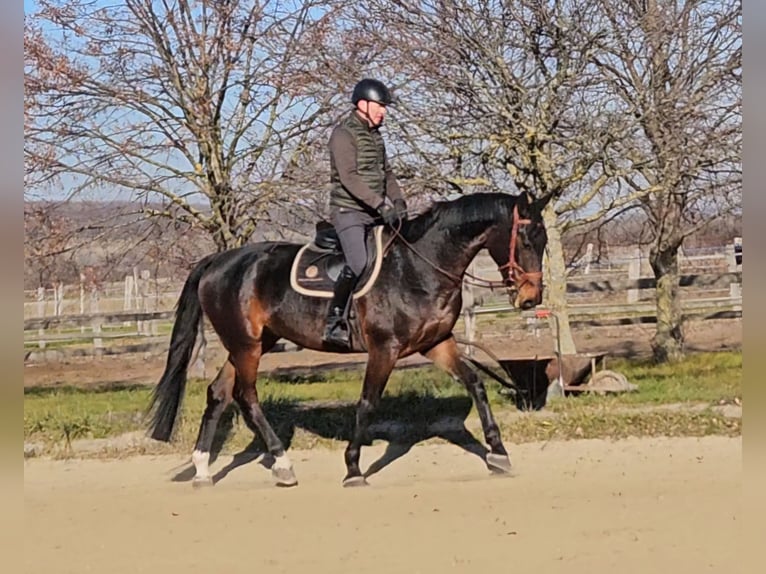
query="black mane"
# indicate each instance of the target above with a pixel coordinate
(474, 208)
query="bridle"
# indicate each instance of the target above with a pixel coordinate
(517, 276)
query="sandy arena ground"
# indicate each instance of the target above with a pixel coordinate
(643, 506)
(634, 506)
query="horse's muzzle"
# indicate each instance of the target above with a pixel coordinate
(526, 296)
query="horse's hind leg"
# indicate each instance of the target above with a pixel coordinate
(246, 395)
(219, 395)
(446, 355)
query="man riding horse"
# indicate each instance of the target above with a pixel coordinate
(364, 189)
(246, 294)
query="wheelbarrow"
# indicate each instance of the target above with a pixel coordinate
(535, 379)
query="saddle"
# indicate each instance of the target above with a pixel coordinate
(317, 264)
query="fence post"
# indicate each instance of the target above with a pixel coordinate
(41, 313)
(588, 258)
(735, 289)
(41, 301)
(82, 299)
(94, 300)
(58, 297)
(98, 342)
(137, 298)
(142, 290)
(146, 286)
(634, 273)
(128, 295)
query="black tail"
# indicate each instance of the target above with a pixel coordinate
(168, 394)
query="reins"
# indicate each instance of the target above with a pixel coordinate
(483, 368)
(451, 276)
(512, 265)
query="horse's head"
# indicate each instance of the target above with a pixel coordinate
(517, 247)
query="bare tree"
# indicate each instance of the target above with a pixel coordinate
(505, 95)
(677, 66)
(62, 238)
(201, 104)
(47, 242)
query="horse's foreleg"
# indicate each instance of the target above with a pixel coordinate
(446, 355)
(379, 366)
(246, 396)
(219, 395)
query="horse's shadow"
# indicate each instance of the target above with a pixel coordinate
(402, 421)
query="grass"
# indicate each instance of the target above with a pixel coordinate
(319, 409)
(714, 378)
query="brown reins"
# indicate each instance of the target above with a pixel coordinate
(516, 274)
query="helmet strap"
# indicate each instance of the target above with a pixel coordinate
(366, 115)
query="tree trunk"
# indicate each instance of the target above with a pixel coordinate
(668, 341)
(556, 283)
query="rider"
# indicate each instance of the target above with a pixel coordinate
(363, 189)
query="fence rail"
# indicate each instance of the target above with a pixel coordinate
(598, 295)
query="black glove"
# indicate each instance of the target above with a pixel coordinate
(401, 208)
(390, 215)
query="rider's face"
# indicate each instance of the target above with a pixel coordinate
(373, 111)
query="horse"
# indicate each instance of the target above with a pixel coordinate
(412, 307)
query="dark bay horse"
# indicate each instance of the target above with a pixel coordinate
(411, 308)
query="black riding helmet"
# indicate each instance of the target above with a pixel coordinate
(372, 90)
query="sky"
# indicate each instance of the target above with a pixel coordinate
(30, 6)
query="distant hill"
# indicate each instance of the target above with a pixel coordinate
(108, 239)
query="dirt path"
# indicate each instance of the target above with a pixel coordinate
(651, 505)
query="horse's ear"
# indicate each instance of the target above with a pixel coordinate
(541, 202)
(530, 197)
(524, 202)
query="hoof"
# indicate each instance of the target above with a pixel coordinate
(350, 481)
(498, 463)
(202, 481)
(284, 476)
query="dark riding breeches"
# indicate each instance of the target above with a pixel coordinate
(352, 227)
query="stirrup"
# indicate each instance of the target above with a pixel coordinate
(338, 333)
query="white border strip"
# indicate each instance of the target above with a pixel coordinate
(378, 231)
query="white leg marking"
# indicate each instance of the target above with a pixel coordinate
(201, 461)
(282, 462)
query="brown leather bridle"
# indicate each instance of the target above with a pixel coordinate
(517, 276)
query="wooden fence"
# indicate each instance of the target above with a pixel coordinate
(614, 292)
(139, 292)
(621, 291)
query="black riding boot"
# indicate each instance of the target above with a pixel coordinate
(337, 330)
